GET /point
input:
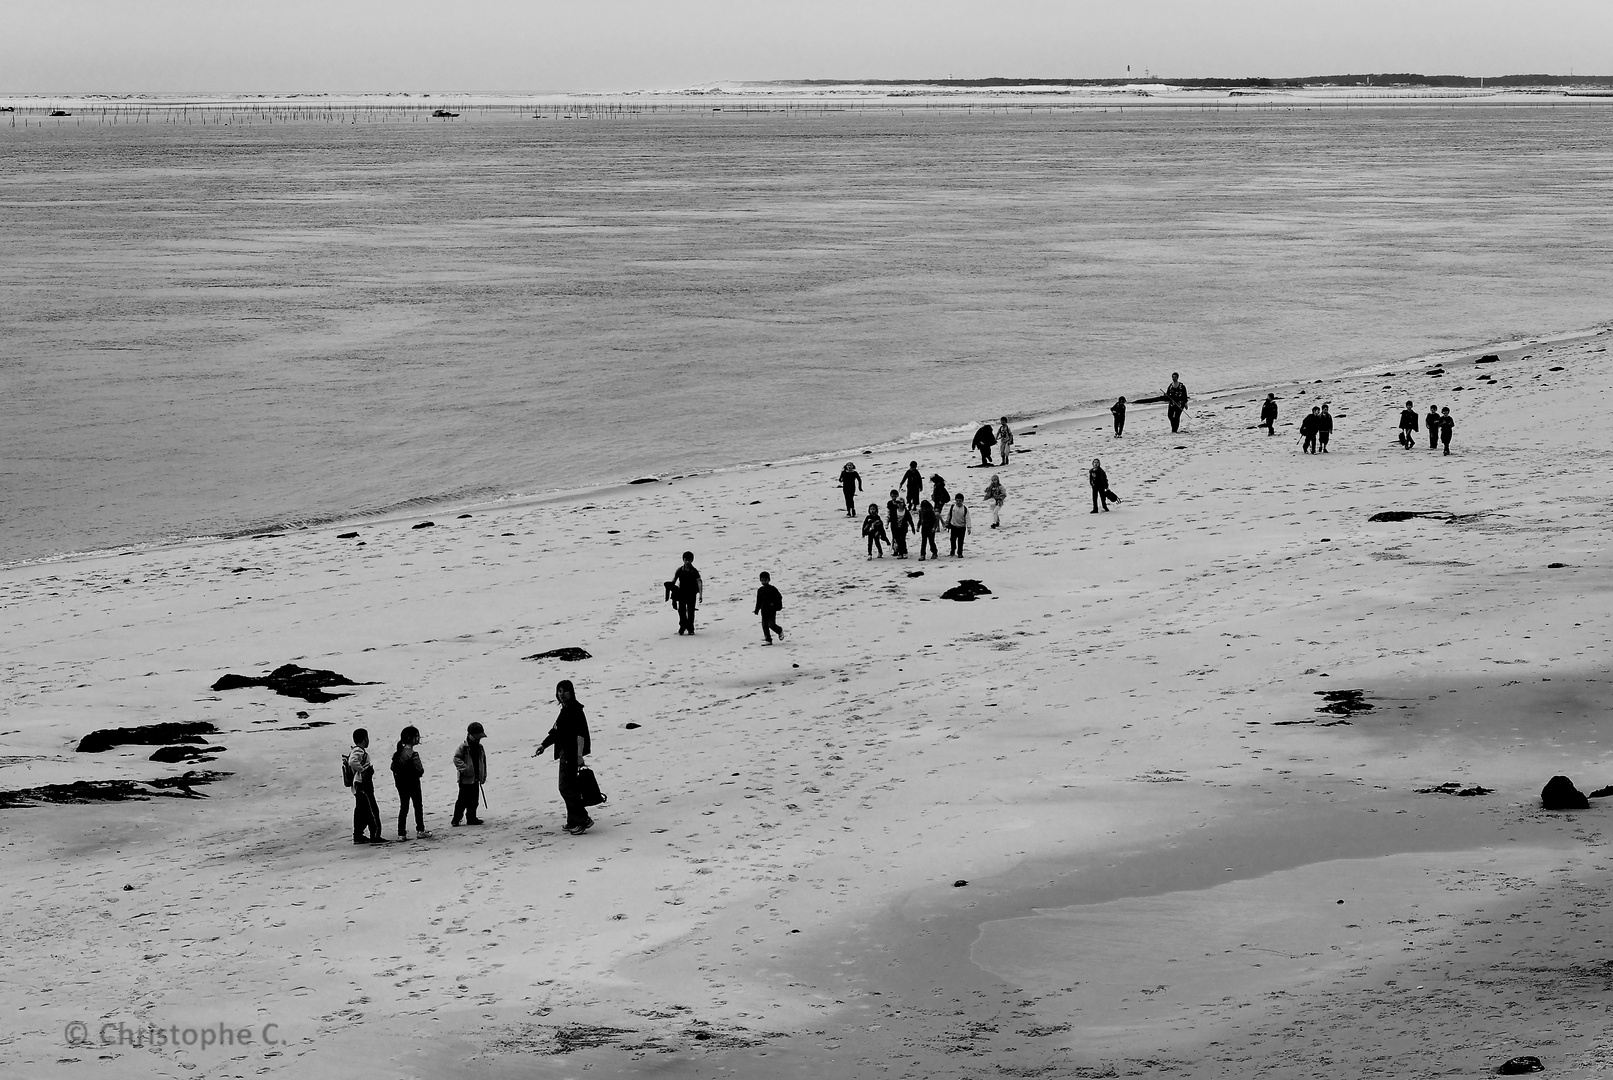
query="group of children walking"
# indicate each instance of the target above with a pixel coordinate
(1439, 424)
(568, 736)
(916, 514)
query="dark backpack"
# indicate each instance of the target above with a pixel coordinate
(347, 772)
(588, 787)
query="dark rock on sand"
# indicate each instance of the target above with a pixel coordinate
(347, 536)
(1556, 566)
(180, 731)
(1602, 792)
(1343, 702)
(462, 517)
(1488, 358)
(88, 791)
(1561, 794)
(967, 589)
(915, 573)
(289, 680)
(646, 480)
(630, 726)
(960, 883)
(185, 753)
(1404, 515)
(423, 525)
(1519, 1065)
(570, 652)
(1454, 788)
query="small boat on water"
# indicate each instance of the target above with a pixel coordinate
(444, 114)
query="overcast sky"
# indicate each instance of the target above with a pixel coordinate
(82, 46)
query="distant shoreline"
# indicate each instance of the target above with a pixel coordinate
(1341, 90)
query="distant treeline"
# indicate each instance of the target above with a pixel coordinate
(1381, 79)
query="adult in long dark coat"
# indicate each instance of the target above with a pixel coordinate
(569, 737)
(985, 439)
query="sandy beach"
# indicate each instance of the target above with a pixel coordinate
(1091, 824)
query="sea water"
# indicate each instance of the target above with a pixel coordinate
(216, 329)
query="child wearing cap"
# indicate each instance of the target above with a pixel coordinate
(471, 762)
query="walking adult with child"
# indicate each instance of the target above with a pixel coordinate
(366, 812)
(406, 773)
(470, 762)
(768, 604)
(985, 439)
(569, 737)
(996, 494)
(851, 482)
(1175, 400)
(1268, 415)
(1408, 425)
(1119, 410)
(1098, 480)
(874, 531)
(929, 525)
(1307, 430)
(956, 519)
(1005, 440)
(687, 591)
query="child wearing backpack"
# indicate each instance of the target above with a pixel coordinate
(359, 774)
(768, 604)
(406, 773)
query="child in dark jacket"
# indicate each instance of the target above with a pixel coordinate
(899, 521)
(406, 773)
(874, 530)
(768, 604)
(929, 525)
